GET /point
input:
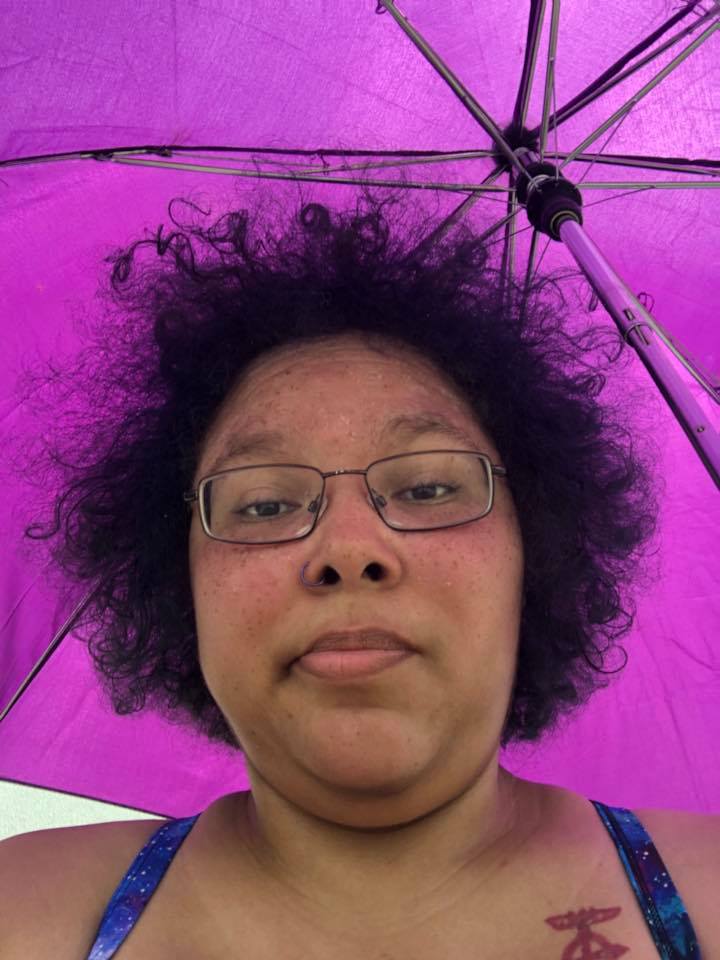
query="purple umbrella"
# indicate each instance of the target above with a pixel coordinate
(581, 140)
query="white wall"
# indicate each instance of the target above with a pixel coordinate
(24, 809)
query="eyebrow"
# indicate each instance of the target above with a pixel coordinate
(409, 426)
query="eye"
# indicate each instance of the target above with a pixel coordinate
(429, 486)
(264, 514)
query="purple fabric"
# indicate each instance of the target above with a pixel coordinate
(337, 76)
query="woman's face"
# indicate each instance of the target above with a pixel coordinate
(420, 729)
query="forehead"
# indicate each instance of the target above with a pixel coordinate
(423, 400)
(396, 364)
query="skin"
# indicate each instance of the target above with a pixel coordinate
(394, 786)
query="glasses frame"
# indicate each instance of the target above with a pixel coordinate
(493, 470)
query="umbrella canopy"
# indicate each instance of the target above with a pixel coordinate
(111, 112)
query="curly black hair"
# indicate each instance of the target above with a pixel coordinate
(178, 331)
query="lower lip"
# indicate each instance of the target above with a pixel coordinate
(348, 664)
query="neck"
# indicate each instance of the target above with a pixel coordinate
(389, 865)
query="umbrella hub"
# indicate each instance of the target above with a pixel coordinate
(517, 136)
(549, 197)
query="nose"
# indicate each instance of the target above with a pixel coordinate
(339, 495)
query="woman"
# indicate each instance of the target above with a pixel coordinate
(387, 526)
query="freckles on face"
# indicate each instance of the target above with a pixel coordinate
(455, 598)
(236, 591)
(454, 591)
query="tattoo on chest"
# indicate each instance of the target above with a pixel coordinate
(587, 944)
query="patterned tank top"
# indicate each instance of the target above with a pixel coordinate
(659, 900)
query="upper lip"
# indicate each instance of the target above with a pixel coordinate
(359, 638)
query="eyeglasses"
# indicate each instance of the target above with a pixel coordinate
(278, 502)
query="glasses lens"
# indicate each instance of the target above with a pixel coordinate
(260, 504)
(420, 491)
(416, 491)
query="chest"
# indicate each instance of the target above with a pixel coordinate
(583, 933)
(576, 902)
(554, 933)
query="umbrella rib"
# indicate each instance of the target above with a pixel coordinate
(677, 164)
(647, 163)
(643, 92)
(456, 85)
(265, 175)
(611, 78)
(449, 187)
(522, 102)
(472, 188)
(536, 233)
(443, 227)
(510, 241)
(565, 112)
(612, 134)
(529, 269)
(545, 250)
(496, 226)
(507, 264)
(44, 657)
(673, 164)
(651, 185)
(550, 82)
(460, 211)
(688, 167)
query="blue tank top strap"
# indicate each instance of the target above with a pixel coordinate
(138, 885)
(659, 900)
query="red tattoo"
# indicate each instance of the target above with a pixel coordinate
(586, 944)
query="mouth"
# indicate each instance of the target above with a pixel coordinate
(358, 639)
(348, 665)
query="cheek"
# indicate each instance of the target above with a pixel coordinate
(479, 586)
(237, 598)
(480, 558)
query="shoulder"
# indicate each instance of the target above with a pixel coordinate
(690, 839)
(55, 885)
(689, 846)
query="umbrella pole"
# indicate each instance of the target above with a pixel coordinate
(554, 206)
